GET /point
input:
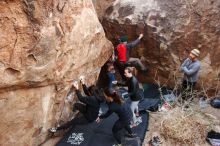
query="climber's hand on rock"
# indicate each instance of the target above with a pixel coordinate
(75, 85)
(82, 79)
(141, 36)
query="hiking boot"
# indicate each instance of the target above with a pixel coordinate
(53, 130)
(116, 145)
(131, 135)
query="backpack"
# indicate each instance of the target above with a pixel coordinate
(215, 102)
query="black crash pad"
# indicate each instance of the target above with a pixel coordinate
(150, 101)
(151, 96)
(100, 134)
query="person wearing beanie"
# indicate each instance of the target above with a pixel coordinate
(190, 67)
(122, 55)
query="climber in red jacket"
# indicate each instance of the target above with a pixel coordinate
(122, 55)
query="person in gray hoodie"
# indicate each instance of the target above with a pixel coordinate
(190, 67)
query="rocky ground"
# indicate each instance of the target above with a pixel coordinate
(155, 125)
(156, 120)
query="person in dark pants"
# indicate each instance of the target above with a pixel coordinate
(122, 55)
(116, 105)
(190, 67)
(89, 108)
(133, 92)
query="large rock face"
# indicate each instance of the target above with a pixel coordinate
(169, 27)
(44, 44)
(101, 6)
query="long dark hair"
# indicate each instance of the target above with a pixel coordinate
(112, 93)
(95, 91)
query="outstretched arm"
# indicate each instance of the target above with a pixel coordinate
(84, 99)
(106, 114)
(85, 88)
(134, 43)
(120, 83)
(90, 100)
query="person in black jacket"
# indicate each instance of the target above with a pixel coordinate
(133, 92)
(116, 105)
(89, 108)
(91, 90)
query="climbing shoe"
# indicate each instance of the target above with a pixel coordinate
(53, 130)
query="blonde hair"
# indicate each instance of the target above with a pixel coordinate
(131, 70)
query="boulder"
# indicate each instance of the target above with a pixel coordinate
(45, 44)
(169, 27)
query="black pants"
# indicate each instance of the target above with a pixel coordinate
(79, 120)
(187, 89)
(121, 68)
(119, 126)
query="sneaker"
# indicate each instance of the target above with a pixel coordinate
(139, 121)
(155, 141)
(137, 114)
(53, 130)
(116, 145)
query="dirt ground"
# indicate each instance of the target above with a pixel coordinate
(155, 124)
